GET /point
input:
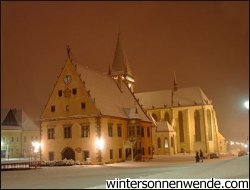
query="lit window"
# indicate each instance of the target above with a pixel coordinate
(67, 131)
(67, 107)
(85, 130)
(51, 133)
(165, 143)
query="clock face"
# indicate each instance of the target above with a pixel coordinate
(67, 79)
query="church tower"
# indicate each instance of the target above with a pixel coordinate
(120, 69)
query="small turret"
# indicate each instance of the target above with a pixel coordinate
(120, 68)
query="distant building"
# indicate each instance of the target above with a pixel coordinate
(18, 132)
(191, 116)
(91, 117)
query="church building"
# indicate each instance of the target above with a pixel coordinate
(95, 118)
(189, 120)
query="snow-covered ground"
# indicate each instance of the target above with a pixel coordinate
(161, 167)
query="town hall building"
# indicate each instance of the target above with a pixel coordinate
(92, 117)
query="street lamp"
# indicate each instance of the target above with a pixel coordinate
(36, 146)
(99, 143)
(6, 150)
(246, 104)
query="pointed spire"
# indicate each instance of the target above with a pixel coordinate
(174, 88)
(175, 83)
(120, 65)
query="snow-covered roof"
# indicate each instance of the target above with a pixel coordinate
(121, 63)
(24, 122)
(163, 126)
(182, 97)
(109, 99)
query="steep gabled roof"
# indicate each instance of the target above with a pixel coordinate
(10, 119)
(182, 97)
(120, 63)
(109, 98)
(17, 119)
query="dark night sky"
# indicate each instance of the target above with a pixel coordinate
(205, 43)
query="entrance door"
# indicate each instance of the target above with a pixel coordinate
(128, 153)
(68, 153)
(3, 153)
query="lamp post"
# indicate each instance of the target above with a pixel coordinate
(99, 143)
(246, 104)
(36, 145)
(6, 149)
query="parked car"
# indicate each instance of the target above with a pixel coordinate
(213, 155)
(242, 153)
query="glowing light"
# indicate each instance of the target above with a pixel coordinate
(246, 104)
(245, 145)
(231, 142)
(130, 79)
(36, 146)
(99, 143)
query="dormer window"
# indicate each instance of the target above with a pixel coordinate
(74, 91)
(60, 93)
(53, 108)
(83, 105)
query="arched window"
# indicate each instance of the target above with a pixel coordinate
(167, 117)
(165, 142)
(181, 128)
(155, 116)
(209, 127)
(172, 141)
(159, 142)
(197, 126)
